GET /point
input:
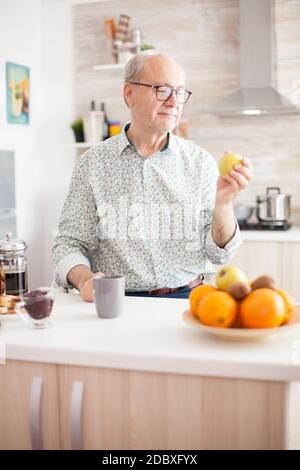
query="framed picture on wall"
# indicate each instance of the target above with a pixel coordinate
(17, 93)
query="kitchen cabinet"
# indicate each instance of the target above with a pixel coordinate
(145, 380)
(290, 269)
(29, 406)
(94, 411)
(126, 409)
(278, 259)
(173, 411)
(142, 410)
(119, 409)
(257, 258)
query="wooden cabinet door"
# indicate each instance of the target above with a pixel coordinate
(114, 409)
(29, 406)
(94, 406)
(171, 411)
(127, 410)
(290, 269)
(257, 258)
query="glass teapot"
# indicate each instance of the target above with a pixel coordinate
(13, 266)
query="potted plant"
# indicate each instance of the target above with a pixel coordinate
(147, 49)
(77, 127)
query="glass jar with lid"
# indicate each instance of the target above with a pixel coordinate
(13, 266)
(126, 50)
(136, 39)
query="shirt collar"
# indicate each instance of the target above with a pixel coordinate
(171, 146)
(123, 141)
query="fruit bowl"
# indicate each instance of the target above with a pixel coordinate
(245, 334)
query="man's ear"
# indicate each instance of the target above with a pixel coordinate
(127, 95)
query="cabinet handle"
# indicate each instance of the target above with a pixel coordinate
(35, 413)
(75, 415)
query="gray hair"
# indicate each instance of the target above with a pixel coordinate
(135, 66)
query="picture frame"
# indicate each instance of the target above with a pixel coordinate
(17, 93)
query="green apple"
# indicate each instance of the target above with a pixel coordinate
(227, 162)
(228, 275)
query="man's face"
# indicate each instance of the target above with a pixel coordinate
(147, 110)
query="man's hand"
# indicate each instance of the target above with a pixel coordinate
(223, 225)
(230, 185)
(87, 289)
(81, 277)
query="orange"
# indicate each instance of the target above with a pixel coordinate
(289, 304)
(237, 321)
(262, 308)
(217, 309)
(197, 294)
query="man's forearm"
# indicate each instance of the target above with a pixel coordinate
(78, 275)
(223, 224)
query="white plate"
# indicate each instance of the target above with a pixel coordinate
(244, 334)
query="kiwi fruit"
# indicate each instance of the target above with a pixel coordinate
(264, 281)
(239, 290)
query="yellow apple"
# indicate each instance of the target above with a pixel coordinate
(227, 162)
(228, 275)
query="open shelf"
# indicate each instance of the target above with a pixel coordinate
(108, 67)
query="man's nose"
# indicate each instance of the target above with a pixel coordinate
(172, 100)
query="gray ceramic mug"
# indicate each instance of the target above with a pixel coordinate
(109, 292)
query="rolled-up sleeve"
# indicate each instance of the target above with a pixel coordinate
(214, 253)
(77, 236)
(218, 255)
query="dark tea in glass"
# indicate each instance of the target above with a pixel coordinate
(15, 283)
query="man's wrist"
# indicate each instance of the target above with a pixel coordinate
(224, 206)
(78, 275)
(83, 280)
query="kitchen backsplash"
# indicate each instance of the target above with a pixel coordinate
(204, 37)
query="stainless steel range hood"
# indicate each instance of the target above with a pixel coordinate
(257, 93)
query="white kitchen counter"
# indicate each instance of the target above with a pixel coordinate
(150, 336)
(291, 235)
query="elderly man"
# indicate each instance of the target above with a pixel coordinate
(147, 203)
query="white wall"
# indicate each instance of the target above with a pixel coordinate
(20, 31)
(58, 112)
(38, 34)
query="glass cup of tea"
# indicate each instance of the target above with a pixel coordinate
(35, 307)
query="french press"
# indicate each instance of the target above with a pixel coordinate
(13, 266)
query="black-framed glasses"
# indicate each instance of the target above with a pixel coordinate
(163, 92)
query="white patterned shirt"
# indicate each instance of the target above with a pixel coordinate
(148, 218)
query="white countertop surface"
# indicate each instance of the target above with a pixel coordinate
(150, 336)
(291, 235)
